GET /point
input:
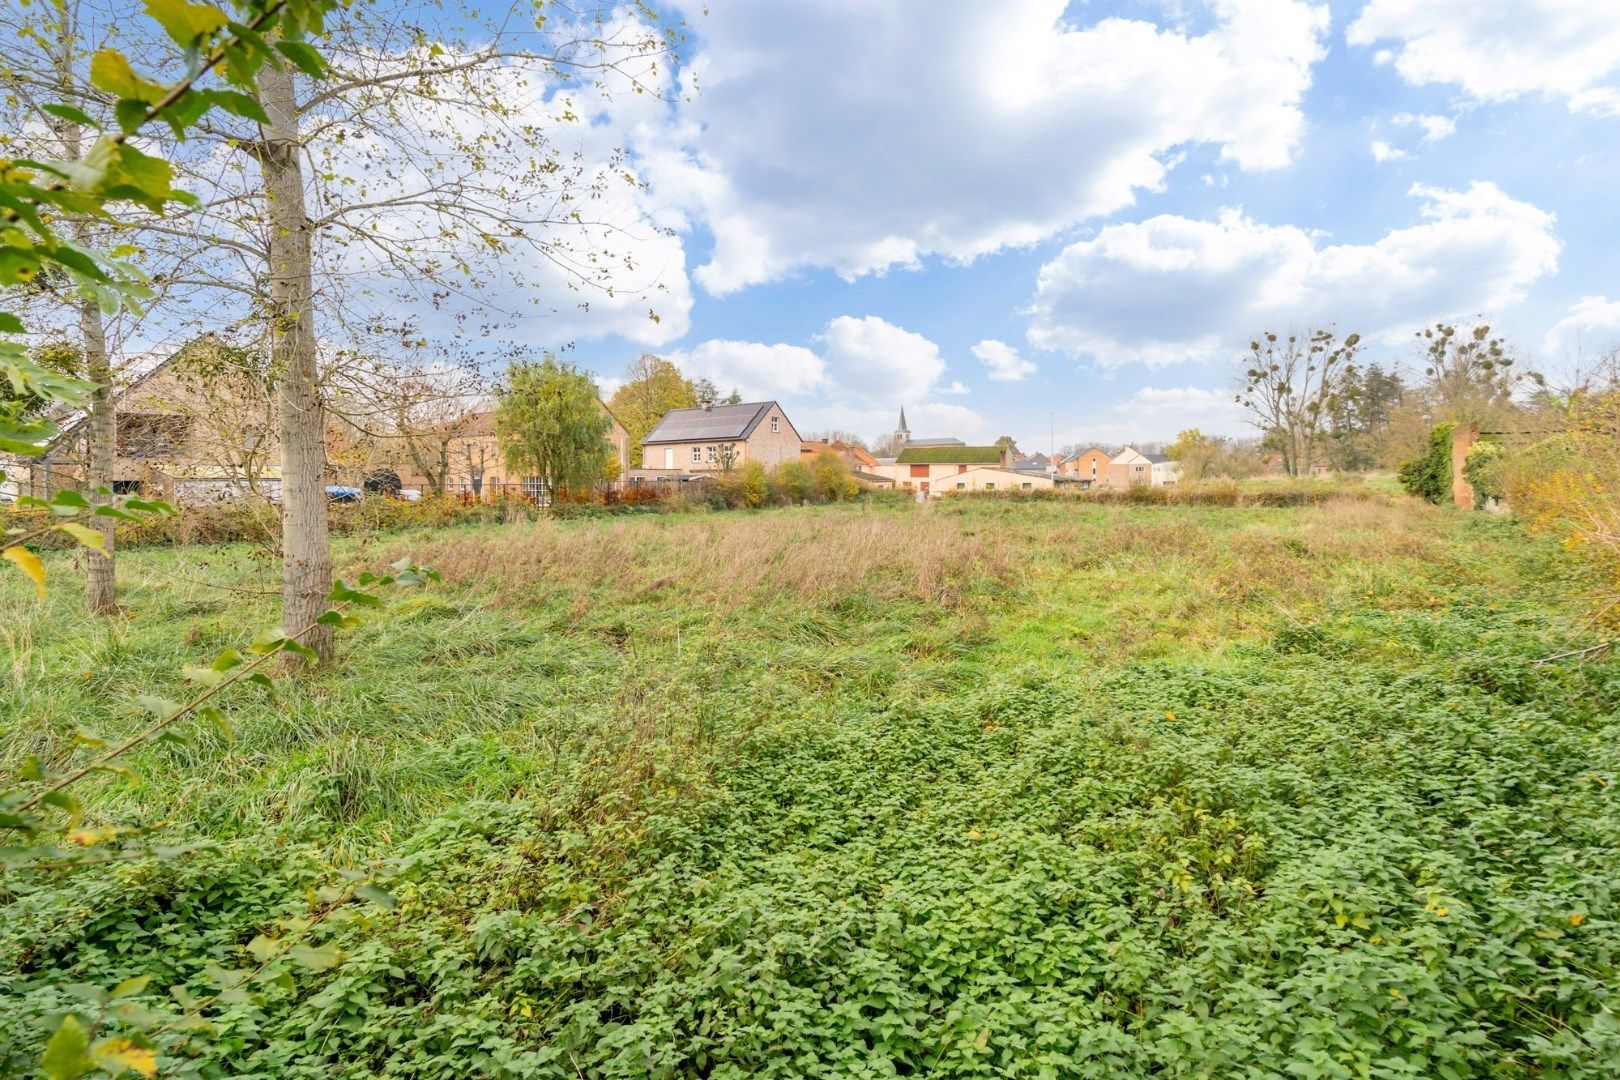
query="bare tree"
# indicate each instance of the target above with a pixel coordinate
(1288, 385)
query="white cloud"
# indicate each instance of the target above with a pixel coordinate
(1502, 49)
(866, 369)
(1592, 325)
(1171, 288)
(862, 137)
(1157, 414)
(1382, 151)
(874, 359)
(1003, 361)
(755, 370)
(1434, 127)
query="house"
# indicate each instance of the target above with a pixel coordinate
(1132, 468)
(197, 425)
(470, 459)
(1034, 463)
(854, 457)
(935, 468)
(1090, 466)
(717, 437)
(994, 478)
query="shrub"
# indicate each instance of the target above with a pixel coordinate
(791, 483)
(1429, 477)
(1483, 469)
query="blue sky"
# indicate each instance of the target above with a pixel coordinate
(1017, 215)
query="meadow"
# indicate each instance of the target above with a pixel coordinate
(994, 787)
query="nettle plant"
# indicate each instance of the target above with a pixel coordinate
(45, 827)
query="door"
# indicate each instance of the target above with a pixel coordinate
(669, 457)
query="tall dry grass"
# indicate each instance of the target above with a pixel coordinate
(729, 561)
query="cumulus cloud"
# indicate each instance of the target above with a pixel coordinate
(1432, 129)
(865, 370)
(1558, 49)
(872, 358)
(1592, 325)
(1157, 414)
(864, 137)
(1172, 288)
(1003, 361)
(755, 370)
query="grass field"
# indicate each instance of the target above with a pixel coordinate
(987, 788)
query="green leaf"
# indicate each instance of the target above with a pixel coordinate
(72, 115)
(85, 535)
(381, 897)
(69, 497)
(211, 714)
(67, 1055)
(131, 986)
(264, 949)
(10, 324)
(162, 708)
(317, 958)
(185, 22)
(110, 71)
(306, 58)
(241, 104)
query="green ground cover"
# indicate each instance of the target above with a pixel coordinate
(987, 788)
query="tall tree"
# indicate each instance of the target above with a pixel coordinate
(551, 426)
(1470, 375)
(1289, 386)
(420, 170)
(652, 387)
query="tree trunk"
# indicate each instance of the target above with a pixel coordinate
(306, 567)
(101, 579)
(101, 433)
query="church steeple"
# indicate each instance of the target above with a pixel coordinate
(902, 434)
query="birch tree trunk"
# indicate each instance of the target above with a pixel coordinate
(306, 568)
(101, 578)
(101, 433)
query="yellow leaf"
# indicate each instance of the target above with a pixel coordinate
(973, 834)
(85, 535)
(1577, 918)
(1169, 715)
(30, 565)
(125, 1056)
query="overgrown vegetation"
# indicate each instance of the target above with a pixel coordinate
(1429, 477)
(866, 790)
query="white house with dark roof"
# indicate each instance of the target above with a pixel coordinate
(718, 437)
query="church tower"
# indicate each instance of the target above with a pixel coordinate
(902, 434)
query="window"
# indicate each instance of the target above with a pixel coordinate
(919, 470)
(697, 455)
(1026, 487)
(146, 435)
(710, 455)
(960, 486)
(989, 487)
(1094, 468)
(776, 423)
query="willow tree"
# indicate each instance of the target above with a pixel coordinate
(411, 170)
(551, 426)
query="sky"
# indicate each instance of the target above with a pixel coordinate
(1064, 222)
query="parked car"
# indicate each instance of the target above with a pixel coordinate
(339, 493)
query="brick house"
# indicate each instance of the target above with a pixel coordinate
(1089, 466)
(474, 465)
(718, 437)
(1132, 468)
(196, 426)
